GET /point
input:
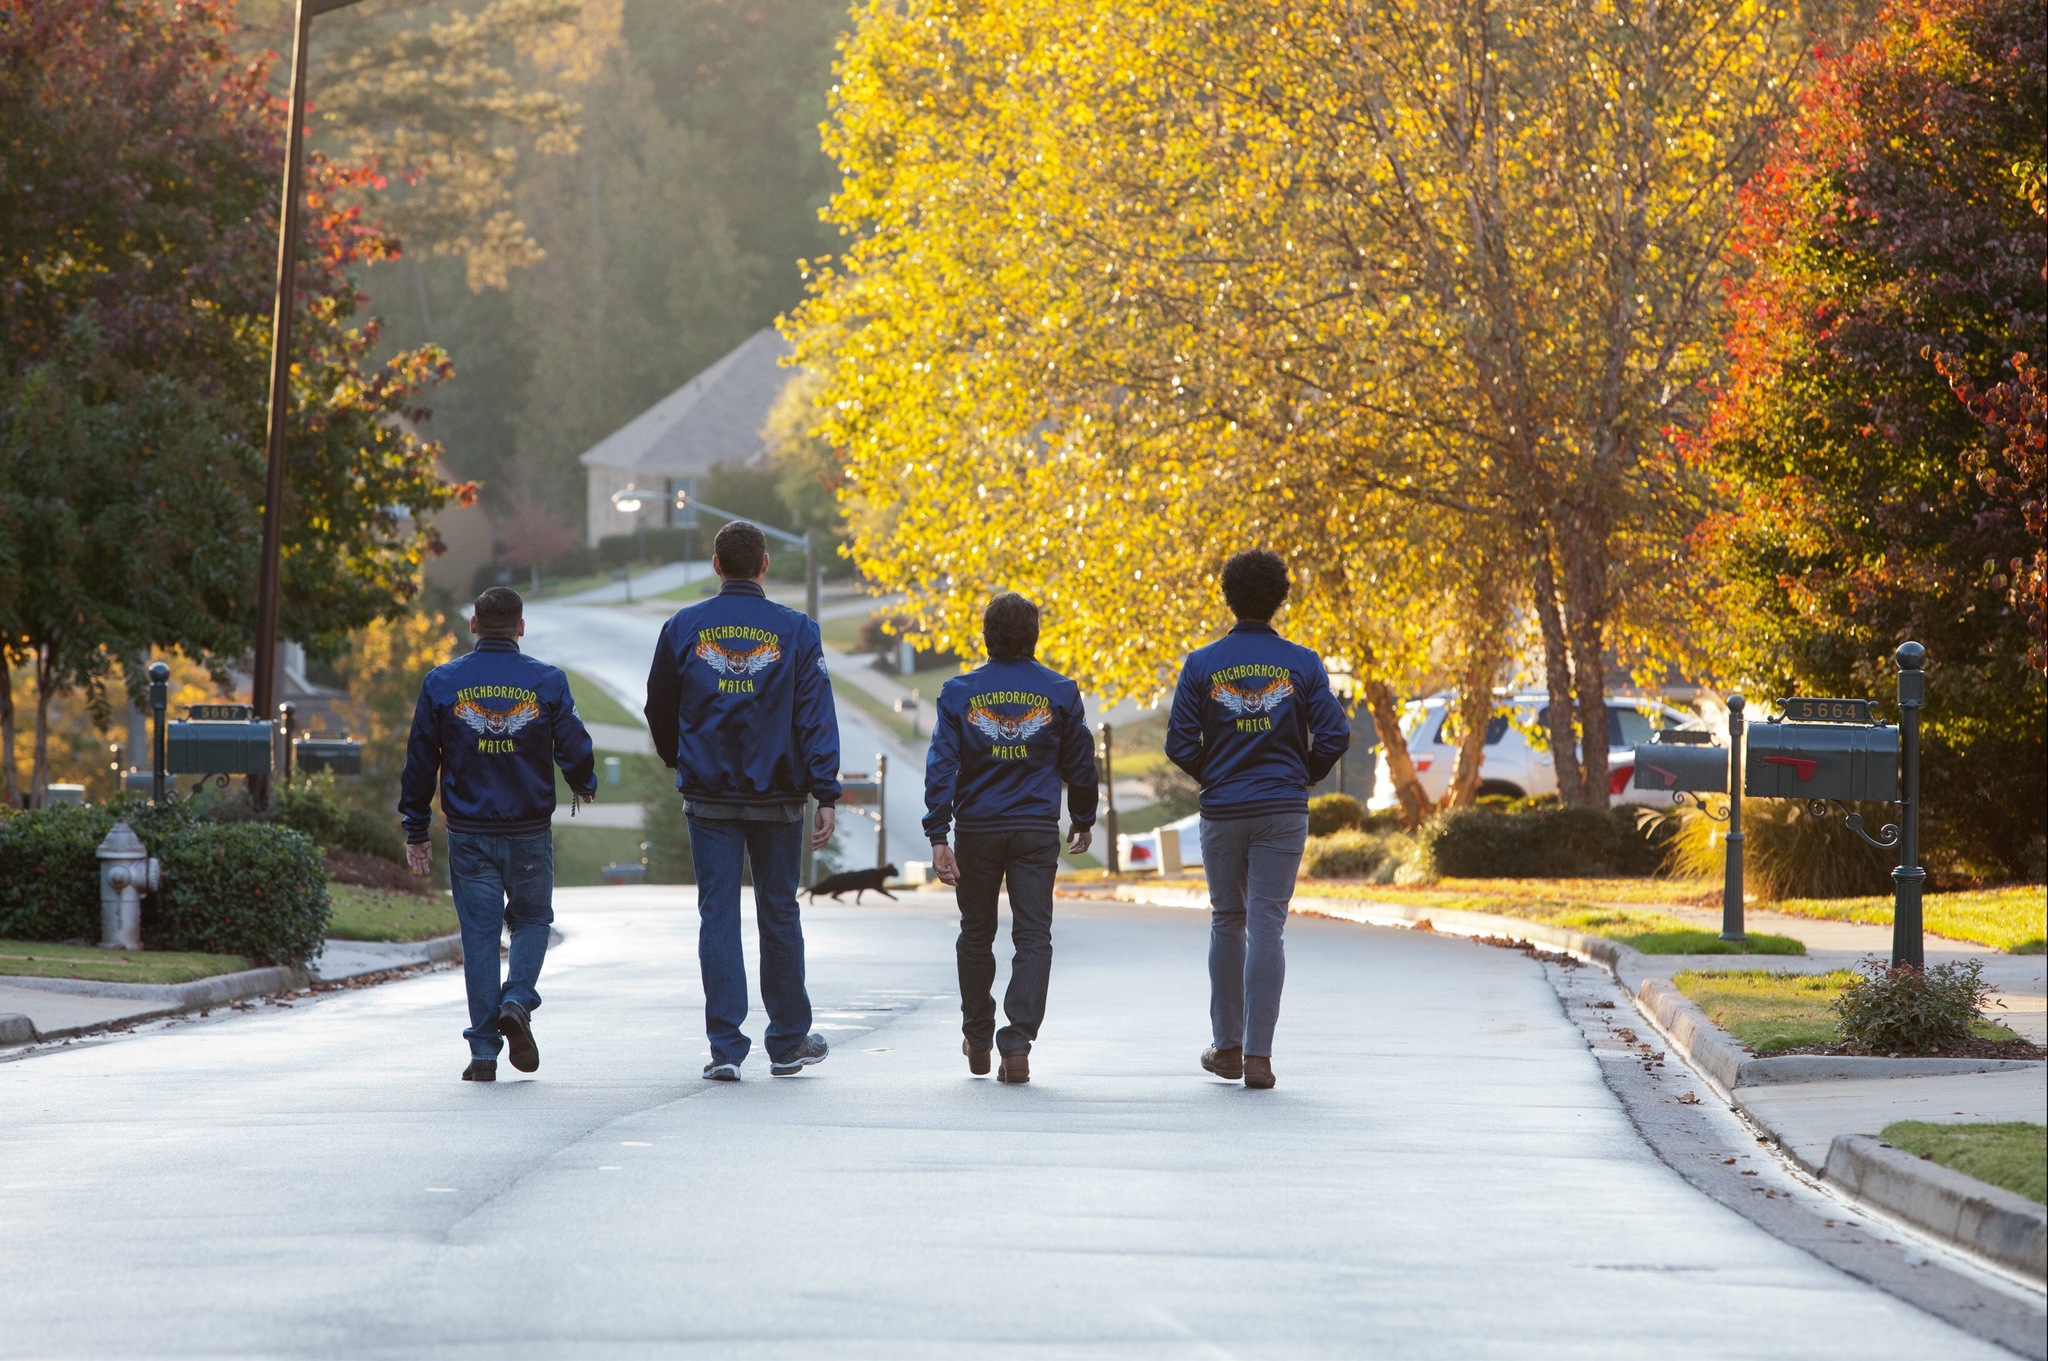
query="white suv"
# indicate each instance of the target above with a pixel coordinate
(1514, 765)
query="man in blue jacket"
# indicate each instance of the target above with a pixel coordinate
(1008, 736)
(740, 704)
(1254, 722)
(489, 727)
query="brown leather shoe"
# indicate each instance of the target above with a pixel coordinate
(1224, 1063)
(1016, 1068)
(1258, 1070)
(977, 1059)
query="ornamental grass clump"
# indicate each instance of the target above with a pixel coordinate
(1911, 1011)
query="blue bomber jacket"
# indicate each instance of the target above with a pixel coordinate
(487, 727)
(739, 702)
(1007, 736)
(1254, 722)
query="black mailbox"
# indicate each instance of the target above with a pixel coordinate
(217, 747)
(1849, 762)
(1688, 768)
(336, 756)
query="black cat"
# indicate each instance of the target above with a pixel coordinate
(855, 882)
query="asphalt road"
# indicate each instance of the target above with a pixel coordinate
(1441, 1173)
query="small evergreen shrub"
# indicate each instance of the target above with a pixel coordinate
(1541, 840)
(1329, 813)
(1911, 1011)
(241, 888)
(1352, 854)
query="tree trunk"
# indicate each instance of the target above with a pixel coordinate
(1585, 571)
(1557, 675)
(10, 775)
(46, 690)
(1386, 721)
(1475, 701)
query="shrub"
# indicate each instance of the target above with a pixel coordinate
(364, 833)
(240, 889)
(668, 844)
(309, 808)
(50, 870)
(1329, 813)
(1177, 794)
(1352, 854)
(1911, 1011)
(1786, 852)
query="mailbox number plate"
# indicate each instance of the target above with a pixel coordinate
(218, 713)
(1829, 710)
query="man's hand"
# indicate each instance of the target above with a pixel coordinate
(944, 865)
(821, 831)
(420, 856)
(1078, 840)
(588, 795)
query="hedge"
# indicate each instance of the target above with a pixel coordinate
(240, 888)
(1541, 841)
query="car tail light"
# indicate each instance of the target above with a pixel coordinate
(1618, 778)
(1140, 853)
(1423, 763)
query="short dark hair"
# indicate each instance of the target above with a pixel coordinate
(498, 610)
(1009, 626)
(740, 549)
(1255, 583)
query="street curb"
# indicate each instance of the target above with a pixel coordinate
(16, 1029)
(1693, 1034)
(1986, 1220)
(201, 994)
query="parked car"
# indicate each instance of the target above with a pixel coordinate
(1517, 755)
(1141, 849)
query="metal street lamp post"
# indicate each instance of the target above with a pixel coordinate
(264, 682)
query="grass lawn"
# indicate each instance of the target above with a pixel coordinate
(40, 959)
(2013, 919)
(596, 705)
(642, 779)
(694, 589)
(888, 718)
(581, 852)
(2013, 1154)
(1657, 934)
(843, 632)
(379, 914)
(1773, 1012)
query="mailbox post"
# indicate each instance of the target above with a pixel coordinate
(1685, 764)
(1908, 947)
(1109, 805)
(1732, 926)
(287, 715)
(881, 810)
(159, 700)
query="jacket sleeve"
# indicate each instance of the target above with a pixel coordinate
(1328, 724)
(573, 751)
(941, 772)
(817, 718)
(1184, 723)
(1077, 765)
(664, 696)
(422, 772)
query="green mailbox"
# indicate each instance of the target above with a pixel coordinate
(218, 739)
(334, 755)
(1682, 767)
(1841, 761)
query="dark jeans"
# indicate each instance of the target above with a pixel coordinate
(1029, 860)
(1250, 864)
(501, 883)
(776, 849)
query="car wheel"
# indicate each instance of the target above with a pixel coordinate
(1498, 789)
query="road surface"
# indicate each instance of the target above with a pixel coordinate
(1441, 1173)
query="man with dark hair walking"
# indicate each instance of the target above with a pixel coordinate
(740, 704)
(1254, 722)
(1007, 737)
(489, 727)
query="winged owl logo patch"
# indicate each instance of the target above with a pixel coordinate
(1250, 703)
(997, 728)
(497, 722)
(728, 662)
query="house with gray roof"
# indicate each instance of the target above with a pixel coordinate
(717, 417)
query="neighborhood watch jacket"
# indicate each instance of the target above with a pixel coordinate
(1253, 720)
(487, 726)
(1007, 736)
(740, 704)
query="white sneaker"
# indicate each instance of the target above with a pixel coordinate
(722, 1072)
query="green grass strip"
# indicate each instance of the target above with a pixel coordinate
(380, 914)
(2013, 919)
(596, 705)
(2012, 1154)
(41, 959)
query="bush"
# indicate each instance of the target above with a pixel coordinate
(1177, 793)
(668, 843)
(365, 833)
(1329, 813)
(50, 870)
(883, 636)
(313, 808)
(243, 888)
(1786, 852)
(1541, 841)
(1352, 854)
(1911, 1011)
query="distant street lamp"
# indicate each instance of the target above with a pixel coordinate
(685, 501)
(627, 501)
(267, 576)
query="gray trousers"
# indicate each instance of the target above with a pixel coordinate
(1030, 861)
(1250, 864)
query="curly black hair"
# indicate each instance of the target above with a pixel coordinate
(1255, 583)
(1009, 626)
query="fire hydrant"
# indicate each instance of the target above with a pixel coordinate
(127, 871)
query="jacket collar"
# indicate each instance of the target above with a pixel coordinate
(1253, 626)
(497, 645)
(752, 588)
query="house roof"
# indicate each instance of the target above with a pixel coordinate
(714, 418)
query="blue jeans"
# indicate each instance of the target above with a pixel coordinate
(501, 883)
(776, 848)
(1250, 864)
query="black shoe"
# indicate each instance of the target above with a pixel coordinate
(481, 1070)
(518, 1033)
(1224, 1063)
(715, 1071)
(812, 1050)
